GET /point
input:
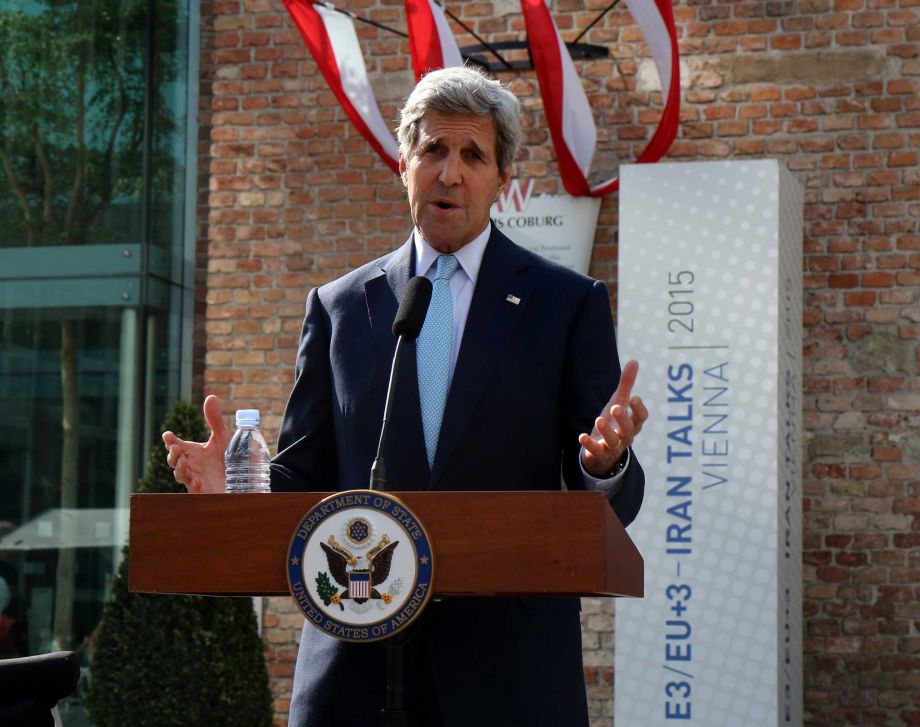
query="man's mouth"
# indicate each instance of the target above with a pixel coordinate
(444, 204)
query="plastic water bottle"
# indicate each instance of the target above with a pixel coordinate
(247, 458)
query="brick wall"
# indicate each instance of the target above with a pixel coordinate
(291, 196)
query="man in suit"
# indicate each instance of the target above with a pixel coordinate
(528, 360)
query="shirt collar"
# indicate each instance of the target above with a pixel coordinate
(469, 256)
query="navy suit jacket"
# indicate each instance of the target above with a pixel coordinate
(529, 378)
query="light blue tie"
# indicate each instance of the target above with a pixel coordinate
(433, 351)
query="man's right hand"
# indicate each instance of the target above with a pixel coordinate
(200, 465)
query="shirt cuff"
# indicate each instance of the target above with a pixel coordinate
(609, 485)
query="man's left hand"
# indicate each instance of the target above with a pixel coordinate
(616, 427)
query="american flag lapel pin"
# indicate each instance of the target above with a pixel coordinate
(513, 299)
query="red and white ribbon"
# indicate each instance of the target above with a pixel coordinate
(331, 39)
(431, 41)
(568, 113)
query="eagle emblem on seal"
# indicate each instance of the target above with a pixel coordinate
(358, 584)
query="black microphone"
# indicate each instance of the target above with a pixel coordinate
(412, 308)
(406, 326)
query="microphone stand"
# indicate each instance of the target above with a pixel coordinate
(378, 469)
(408, 323)
(394, 713)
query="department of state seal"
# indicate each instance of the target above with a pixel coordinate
(360, 565)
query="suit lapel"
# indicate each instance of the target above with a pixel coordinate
(489, 325)
(383, 293)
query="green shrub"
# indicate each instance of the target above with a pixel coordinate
(171, 661)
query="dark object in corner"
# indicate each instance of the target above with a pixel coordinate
(30, 687)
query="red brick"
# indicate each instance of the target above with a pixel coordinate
(902, 159)
(786, 42)
(886, 454)
(860, 298)
(903, 86)
(877, 280)
(765, 93)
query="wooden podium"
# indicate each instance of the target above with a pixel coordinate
(486, 543)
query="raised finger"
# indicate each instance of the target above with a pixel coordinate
(214, 416)
(627, 381)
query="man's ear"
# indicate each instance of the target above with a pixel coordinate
(504, 178)
(402, 169)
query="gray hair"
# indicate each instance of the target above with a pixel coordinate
(463, 90)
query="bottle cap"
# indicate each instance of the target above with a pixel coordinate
(248, 417)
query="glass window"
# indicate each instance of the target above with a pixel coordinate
(92, 147)
(73, 87)
(94, 162)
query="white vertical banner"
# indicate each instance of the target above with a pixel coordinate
(710, 304)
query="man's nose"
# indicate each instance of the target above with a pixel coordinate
(451, 174)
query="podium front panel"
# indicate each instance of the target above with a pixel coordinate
(486, 543)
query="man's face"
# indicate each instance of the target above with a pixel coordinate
(452, 178)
